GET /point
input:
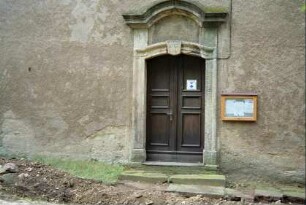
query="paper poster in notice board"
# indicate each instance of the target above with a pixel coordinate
(239, 107)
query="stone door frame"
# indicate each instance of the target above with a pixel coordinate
(207, 48)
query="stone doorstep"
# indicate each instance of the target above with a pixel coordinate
(191, 179)
(198, 179)
(210, 185)
(174, 164)
(212, 191)
(141, 176)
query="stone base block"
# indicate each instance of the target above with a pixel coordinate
(138, 155)
(210, 158)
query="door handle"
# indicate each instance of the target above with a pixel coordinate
(170, 115)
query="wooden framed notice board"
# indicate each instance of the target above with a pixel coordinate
(239, 107)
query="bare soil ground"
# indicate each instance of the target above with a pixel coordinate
(41, 182)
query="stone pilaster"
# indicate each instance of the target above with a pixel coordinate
(139, 98)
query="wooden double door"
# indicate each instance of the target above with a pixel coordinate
(175, 108)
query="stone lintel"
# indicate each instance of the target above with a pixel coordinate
(185, 47)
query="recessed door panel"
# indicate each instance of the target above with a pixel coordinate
(192, 102)
(191, 130)
(159, 73)
(159, 129)
(159, 101)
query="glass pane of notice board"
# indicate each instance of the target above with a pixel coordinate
(239, 107)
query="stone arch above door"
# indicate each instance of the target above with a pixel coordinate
(203, 16)
(204, 47)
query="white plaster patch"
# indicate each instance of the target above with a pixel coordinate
(32, 92)
(5, 72)
(86, 14)
(92, 127)
(83, 120)
(57, 124)
(9, 114)
(53, 126)
(110, 39)
(16, 135)
(4, 77)
(103, 13)
(65, 2)
(112, 139)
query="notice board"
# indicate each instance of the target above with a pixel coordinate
(239, 107)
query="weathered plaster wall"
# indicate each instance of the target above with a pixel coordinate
(65, 70)
(268, 57)
(66, 77)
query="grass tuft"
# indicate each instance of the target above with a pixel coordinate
(95, 170)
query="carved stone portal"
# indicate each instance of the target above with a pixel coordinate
(206, 48)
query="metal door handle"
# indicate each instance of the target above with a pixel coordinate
(170, 115)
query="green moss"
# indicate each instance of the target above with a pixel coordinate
(303, 8)
(215, 10)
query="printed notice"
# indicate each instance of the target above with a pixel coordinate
(239, 108)
(191, 85)
(248, 107)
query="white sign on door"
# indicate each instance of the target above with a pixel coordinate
(191, 85)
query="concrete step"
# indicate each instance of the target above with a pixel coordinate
(198, 179)
(215, 191)
(187, 179)
(142, 176)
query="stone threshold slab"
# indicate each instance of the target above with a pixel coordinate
(142, 176)
(197, 189)
(198, 179)
(175, 164)
(156, 177)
